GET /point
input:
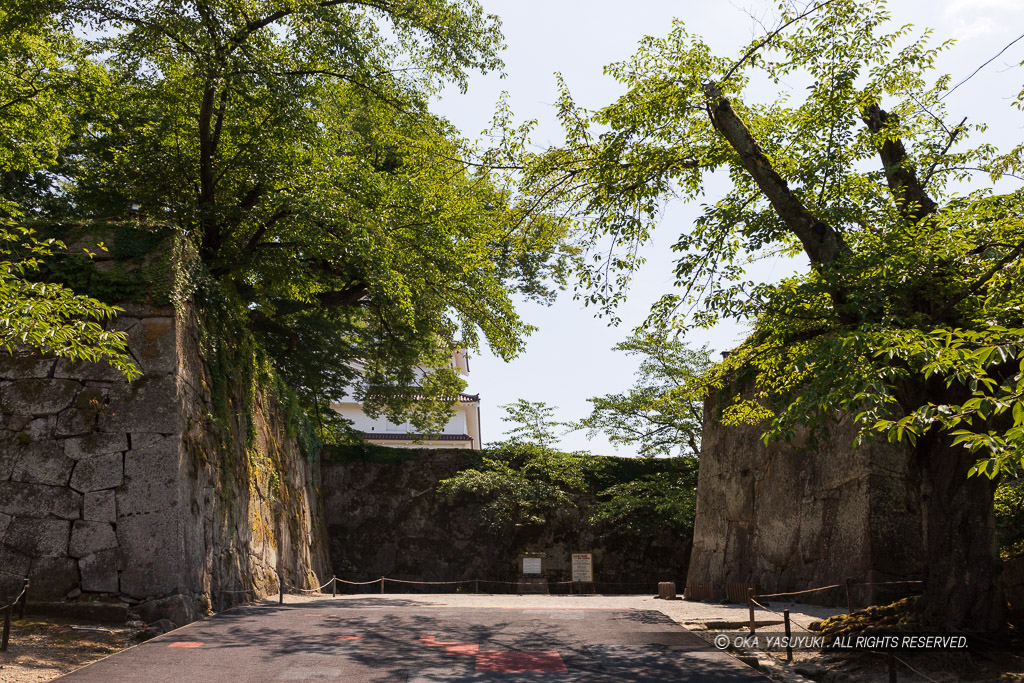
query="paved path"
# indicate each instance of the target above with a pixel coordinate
(396, 639)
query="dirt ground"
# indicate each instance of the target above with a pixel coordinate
(43, 648)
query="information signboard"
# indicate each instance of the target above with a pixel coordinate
(582, 567)
(531, 565)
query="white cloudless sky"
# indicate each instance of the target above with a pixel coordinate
(569, 359)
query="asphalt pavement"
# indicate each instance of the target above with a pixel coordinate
(395, 639)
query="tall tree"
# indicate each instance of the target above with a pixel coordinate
(910, 315)
(38, 65)
(291, 148)
(663, 413)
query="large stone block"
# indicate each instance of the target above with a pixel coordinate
(43, 463)
(75, 422)
(99, 572)
(153, 557)
(179, 609)
(38, 500)
(97, 473)
(52, 578)
(38, 537)
(25, 366)
(85, 370)
(37, 396)
(149, 404)
(88, 538)
(151, 479)
(100, 506)
(153, 344)
(95, 444)
(5, 521)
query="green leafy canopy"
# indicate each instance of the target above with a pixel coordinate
(291, 149)
(910, 316)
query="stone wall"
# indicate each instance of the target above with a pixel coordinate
(387, 519)
(130, 490)
(786, 517)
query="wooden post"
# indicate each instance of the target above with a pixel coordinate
(7, 627)
(24, 598)
(476, 585)
(789, 636)
(280, 585)
(334, 586)
(849, 595)
(750, 606)
(382, 585)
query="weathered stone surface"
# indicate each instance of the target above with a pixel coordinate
(75, 422)
(91, 398)
(38, 537)
(783, 517)
(52, 578)
(40, 428)
(179, 609)
(38, 500)
(95, 444)
(13, 562)
(18, 422)
(88, 538)
(149, 404)
(37, 396)
(25, 366)
(10, 453)
(151, 476)
(142, 439)
(86, 370)
(153, 557)
(97, 473)
(153, 345)
(99, 572)
(100, 506)
(43, 463)
(123, 322)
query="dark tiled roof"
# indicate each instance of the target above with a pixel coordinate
(401, 436)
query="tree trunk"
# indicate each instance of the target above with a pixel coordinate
(963, 586)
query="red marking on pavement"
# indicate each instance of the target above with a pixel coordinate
(462, 649)
(348, 637)
(547, 661)
(185, 643)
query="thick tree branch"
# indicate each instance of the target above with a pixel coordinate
(821, 242)
(912, 200)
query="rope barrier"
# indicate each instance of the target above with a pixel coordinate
(769, 609)
(890, 654)
(15, 601)
(313, 590)
(359, 583)
(809, 590)
(425, 583)
(886, 583)
(927, 678)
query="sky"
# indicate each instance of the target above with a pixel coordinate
(570, 358)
